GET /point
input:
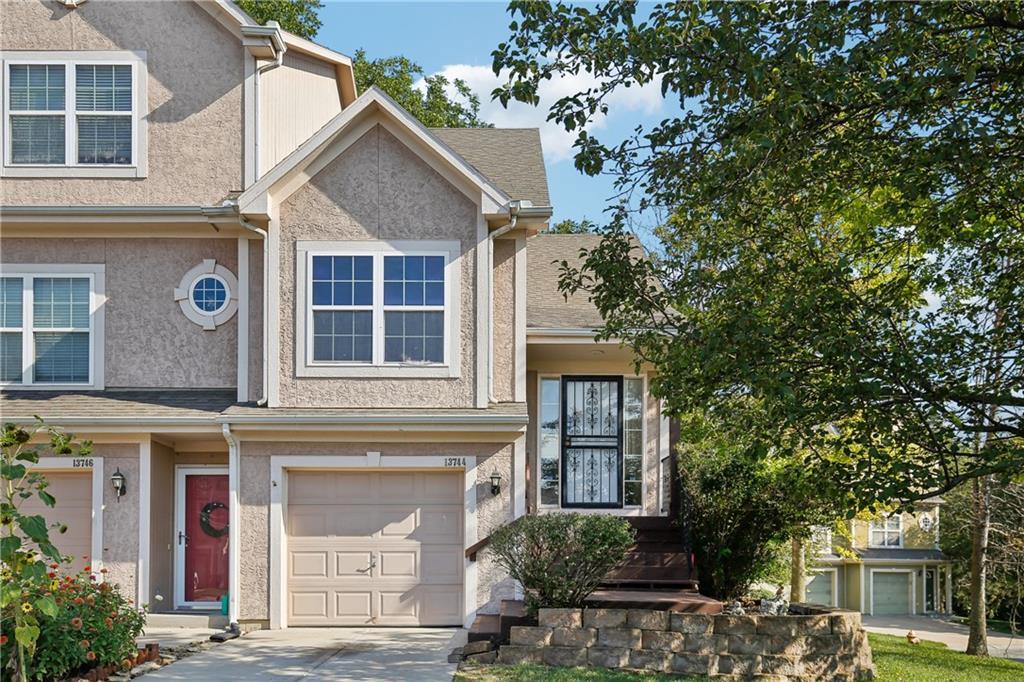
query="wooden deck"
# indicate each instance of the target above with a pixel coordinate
(680, 601)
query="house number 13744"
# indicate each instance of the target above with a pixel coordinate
(455, 461)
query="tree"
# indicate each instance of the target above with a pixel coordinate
(434, 106)
(296, 16)
(570, 226)
(846, 241)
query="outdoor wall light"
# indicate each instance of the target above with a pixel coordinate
(120, 484)
(495, 483)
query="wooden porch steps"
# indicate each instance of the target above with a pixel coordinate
(676, 600)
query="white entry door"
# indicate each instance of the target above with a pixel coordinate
(371, 548)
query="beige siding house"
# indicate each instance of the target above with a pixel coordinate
(322, 346)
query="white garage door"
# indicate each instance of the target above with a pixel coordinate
(73, 492)
(375, 548)
(819, 588)
(891, 593)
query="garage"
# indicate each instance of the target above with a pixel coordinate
(890, 593)
(73, 492)
(819, 588)
(374, 548)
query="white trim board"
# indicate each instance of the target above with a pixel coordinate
(95, 465)
(281, 464)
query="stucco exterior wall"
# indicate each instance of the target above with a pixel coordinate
(296, 100)
(148, 341)
(504, 290)
(194, 89)
(378, 189)
(254, 497)
(121, 517)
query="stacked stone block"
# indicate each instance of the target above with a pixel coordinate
(814, 646)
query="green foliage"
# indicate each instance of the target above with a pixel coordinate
(295, 16)
(78, 624)
(1004, 582)
(570, 226)
(559, 559)
(434, 108)
(846, 243)
(743, 499)
(25, 539)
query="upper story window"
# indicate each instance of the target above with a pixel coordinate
(886, 532)
(74, 114)
(48, 328)
(385, 307)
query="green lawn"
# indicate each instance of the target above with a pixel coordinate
(898, 661)
(895, 661)
(997, 625)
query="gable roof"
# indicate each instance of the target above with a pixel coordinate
(511, 157)
(373, 101)
(546, 306)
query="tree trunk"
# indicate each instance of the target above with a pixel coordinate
(977, 642)
(798, 574)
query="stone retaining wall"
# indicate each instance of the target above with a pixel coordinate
(813, 646)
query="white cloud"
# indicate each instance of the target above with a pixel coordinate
(557, 142)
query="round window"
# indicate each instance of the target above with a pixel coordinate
(209, 294)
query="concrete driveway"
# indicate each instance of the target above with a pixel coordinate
(419, 654)
(953, 635)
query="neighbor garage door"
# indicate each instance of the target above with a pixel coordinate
(891, 593)
(819, 588)
(73, 492)
(375, 548)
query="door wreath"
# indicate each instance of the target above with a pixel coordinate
(204, 520)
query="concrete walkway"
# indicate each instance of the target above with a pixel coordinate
(937, 629)
(377, 654)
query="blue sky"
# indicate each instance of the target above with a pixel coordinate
(456, 38)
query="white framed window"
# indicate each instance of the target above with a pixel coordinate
(51, 327)
(70, 114)
(633, 442)
(380, 307)
(886, 532)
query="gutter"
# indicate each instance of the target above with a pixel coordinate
(280, 48)
(141, 211)
(234, 526)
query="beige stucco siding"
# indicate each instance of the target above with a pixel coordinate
(194, 90)
(121, 517)
(296, 100)
(148, 341)
(378, 189)
(492, 511)
(504, 319)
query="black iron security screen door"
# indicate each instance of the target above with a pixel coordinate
(592, 442)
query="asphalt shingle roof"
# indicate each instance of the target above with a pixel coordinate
(546, 306)
(510, 157)
(897, 553)
(52, 405)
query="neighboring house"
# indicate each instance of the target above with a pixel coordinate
(888, 566)
(318, 347)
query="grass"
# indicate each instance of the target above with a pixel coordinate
(898, 661)
(895, 661)
(539, 673)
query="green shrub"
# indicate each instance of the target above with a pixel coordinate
(93, 624)
(559, 559)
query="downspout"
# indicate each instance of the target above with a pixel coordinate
(234, 528)
(513, 217)
(260, 70)
(266, 304)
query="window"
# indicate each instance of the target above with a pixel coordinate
(887, 532)
(74, 114)
(633, 443)
(383, 308)
(550, 439)
(210, 294)
(47, 332)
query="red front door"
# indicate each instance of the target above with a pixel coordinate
(206, 537)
